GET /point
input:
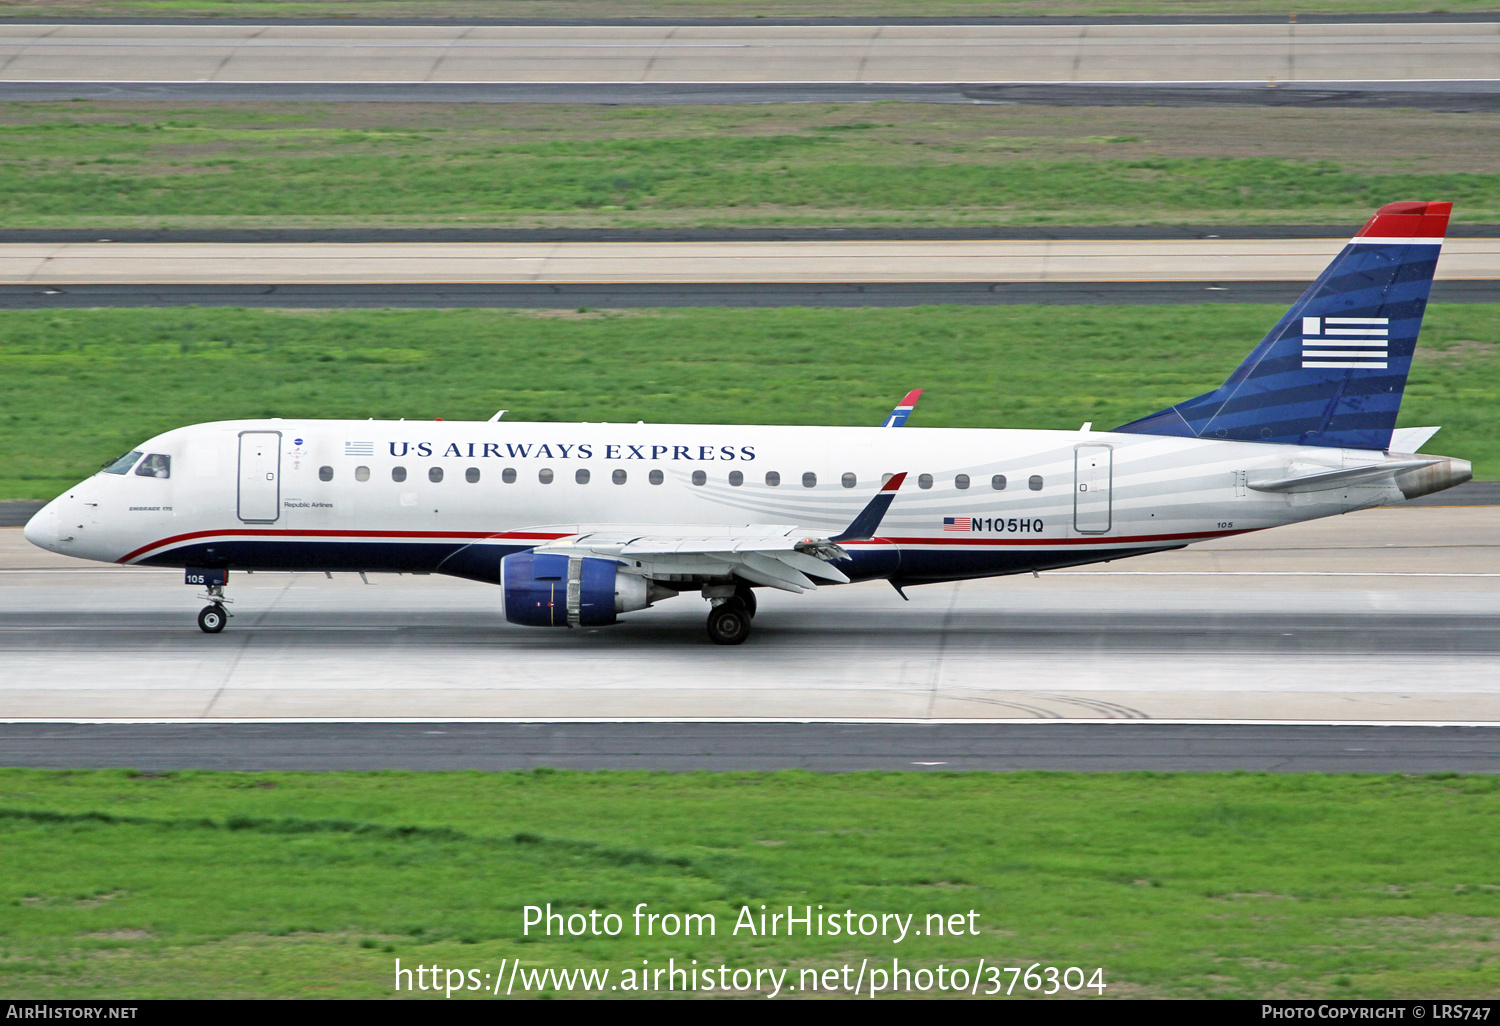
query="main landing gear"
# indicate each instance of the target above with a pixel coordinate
(729, 619)
(213, 617)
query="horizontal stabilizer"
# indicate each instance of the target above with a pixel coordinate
(1411, 439)
(1317, 479)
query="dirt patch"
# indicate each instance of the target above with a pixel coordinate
(1252, 896)
(1460, 351)
(53, 901)
(118, 935)
(581, 314)
(1448, 940)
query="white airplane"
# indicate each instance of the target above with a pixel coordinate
(579, 523)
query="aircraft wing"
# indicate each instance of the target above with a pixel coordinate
(779, 556)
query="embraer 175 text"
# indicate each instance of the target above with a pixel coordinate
(579, 523)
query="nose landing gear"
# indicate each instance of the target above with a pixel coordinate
(213, 617)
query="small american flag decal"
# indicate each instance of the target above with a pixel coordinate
(958, 523)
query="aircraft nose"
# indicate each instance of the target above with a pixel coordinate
(41, 529)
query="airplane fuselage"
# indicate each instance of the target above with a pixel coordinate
(455, 497)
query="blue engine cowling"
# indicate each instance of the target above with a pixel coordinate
(547, 590)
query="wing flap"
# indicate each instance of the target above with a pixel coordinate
(775, 572)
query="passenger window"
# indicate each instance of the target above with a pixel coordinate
(925, 481)
(398, 473)
(772, 478)
(618, 477)
(508, 475)
(885, 479)
(998, 482)
(544, 476)
(472, 475)
(325, 473)
(123, 464)
(699, 477)
(655, 477)
(849, 481)
(961, 481)
(361, 473)
(736, 478)
(581, 476)
(155, 465)
(809, 480)
(1035, 482)
(435, 474)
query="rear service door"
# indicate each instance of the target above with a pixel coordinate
(1092, 470)
(260, 476)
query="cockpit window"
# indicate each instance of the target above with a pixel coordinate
(155, 465)
(123, 464)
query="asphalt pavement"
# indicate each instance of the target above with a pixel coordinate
(625, 295)
(683, 747)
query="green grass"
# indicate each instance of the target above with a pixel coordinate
(1243, 885)
(586, 9)
(80, 387)
(102, 165)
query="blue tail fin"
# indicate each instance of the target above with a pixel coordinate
(1334, 368)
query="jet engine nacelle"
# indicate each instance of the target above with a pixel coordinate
(554, 590)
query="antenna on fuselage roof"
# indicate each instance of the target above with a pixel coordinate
(498, 416)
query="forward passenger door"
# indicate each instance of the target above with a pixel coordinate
(260, 476)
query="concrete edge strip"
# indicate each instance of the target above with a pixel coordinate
(855, 21)
(803, 83)
(749, 720)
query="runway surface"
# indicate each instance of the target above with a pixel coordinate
(1441, 96)
(827, 747)
(1385, 616)
(696, 54)
(794, 263)
(624, 295)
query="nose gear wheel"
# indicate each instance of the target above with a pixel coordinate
(211, 619)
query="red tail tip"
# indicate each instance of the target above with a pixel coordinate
(1408, 220)
(912, 397)
(894, 483)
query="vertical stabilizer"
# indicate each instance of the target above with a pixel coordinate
(1333, 370)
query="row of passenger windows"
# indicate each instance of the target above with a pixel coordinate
(619, 477)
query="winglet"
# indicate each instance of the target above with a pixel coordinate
(903, 409)
(868, 522)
